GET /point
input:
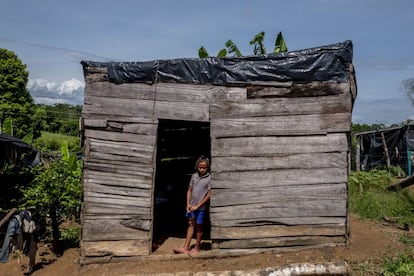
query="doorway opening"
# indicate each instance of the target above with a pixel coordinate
(179, 144)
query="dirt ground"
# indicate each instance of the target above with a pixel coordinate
(370, 243)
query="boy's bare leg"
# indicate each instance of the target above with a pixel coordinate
(190, 233)
(199, 235)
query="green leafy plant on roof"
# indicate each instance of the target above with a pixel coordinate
(258, 47)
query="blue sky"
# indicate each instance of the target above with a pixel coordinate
(52, 37)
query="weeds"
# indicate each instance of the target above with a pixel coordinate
(369, 198)
(401, 265)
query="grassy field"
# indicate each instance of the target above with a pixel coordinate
(52, 142)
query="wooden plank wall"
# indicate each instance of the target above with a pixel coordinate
(120, 128)
(279, 162)
(279, 168)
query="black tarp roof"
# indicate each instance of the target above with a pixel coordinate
(14, 150)
(326, 63)
(397, 139)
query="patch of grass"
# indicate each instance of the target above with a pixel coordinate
(407, 240)
(401, 265)
(50, 142)
(370, 199)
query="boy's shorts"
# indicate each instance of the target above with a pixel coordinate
(198, 215)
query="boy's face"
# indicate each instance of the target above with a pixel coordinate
(202, 168)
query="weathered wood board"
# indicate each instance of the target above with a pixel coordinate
(99, 229)
(123, 248)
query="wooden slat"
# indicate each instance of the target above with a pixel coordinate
(124, 248)
(141, 128)
(126, 148)
(288, 161)
(270, 145)
(281, 125)
(281, 242)
(188, 111)
(140, 91)
(270, 231)
(281, 208)
(166, 91)
(116, 180)
(310, 220)
(119, 118)
(182, 111)
(120, 137)
(242, 196)
(118, 167)
(198, 93)
(102, 209)
(95, 123)
(282, 106)
(294, 90)
(110, 230)
(113, 200)
(106, 156)
(119, 126)
(117, 190)
(123, 107)
(279, 177)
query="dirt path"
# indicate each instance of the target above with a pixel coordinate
(370, 243)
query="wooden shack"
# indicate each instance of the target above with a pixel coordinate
(277, 129)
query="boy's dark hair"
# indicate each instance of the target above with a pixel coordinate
(202, 158)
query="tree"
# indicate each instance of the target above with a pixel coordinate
(408, 86)
(16, 102)
(258, 47)
(55, 191)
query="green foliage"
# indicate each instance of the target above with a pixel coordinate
(258, 42)
(356, 128)
(61, 118)
(280, 44)
(407, 240)
(232, 48)
(55, 192)
(258, 48)
(402, 265)
(369, 197)
(70, 236)
(54, 185)
(15, 100)
(7, 127)
(202, 52)
(222, 53)
(53, 142)
(13, 79)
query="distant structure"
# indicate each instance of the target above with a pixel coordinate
(386, 147)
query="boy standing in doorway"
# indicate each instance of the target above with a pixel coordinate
(198, 195)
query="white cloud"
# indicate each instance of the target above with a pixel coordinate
(45, 92)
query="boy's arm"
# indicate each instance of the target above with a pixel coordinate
(204, 200)
(189, 191)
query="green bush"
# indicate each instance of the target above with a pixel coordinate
(70, 236)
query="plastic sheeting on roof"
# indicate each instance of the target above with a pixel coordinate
(326, 63)
(14, 150)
